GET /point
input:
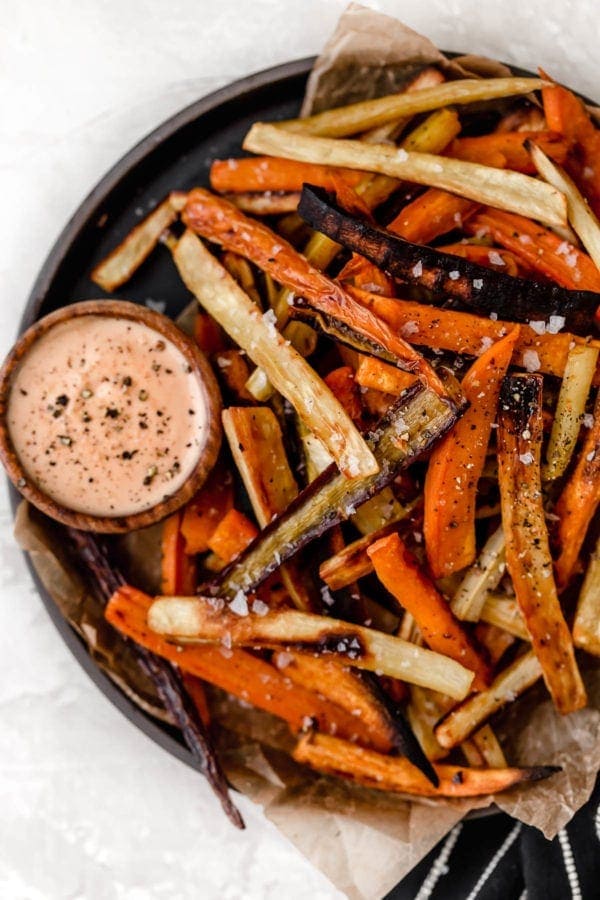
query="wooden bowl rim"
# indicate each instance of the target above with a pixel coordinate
(122, 309)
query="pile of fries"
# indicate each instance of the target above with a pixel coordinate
(399, 301)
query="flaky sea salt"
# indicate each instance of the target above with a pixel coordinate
(495, 258)
(555, 324)
(401, 155)
(526, 458)
(454, 275)
(270, 320)
(259, 607)
(239, 604)
(478, 283)
(417, 269)
(537, 325)
(531, 361)
(588, 420)
(409, 328)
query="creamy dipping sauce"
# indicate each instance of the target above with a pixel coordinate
(106, 415)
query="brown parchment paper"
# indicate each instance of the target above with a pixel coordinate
(363, 841)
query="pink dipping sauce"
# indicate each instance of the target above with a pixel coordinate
(106, 416)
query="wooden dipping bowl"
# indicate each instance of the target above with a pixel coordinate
(209, 390)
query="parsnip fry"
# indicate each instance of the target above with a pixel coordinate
(461, 721)
(386, 773)
(265, 204)
(352, 562)
(121, 263)
(527, 548)
(586, 628)
(351, 119)
(489, 746)
(199, 619)
(483, 576)
(570, 408)
(504, 613)
(581, 217)
(500, 188)
(220, 295)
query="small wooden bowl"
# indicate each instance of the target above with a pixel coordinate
(211, 396)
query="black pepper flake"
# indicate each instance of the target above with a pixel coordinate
(192, 412)
(127, 381)
(160, 345)
(23, 392)
(143, 395)
(128, 454)
(57, 413)
(457, 778)
(156, 367)
(111, 412)
(150, 474)
(142, 424)
(62, 400)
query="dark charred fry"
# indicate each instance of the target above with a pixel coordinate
(476, 286)
(411, 427)
(104, 579)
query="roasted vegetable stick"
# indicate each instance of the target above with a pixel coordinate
(239, 673)
(491, 257)
(218, 221)
(121, 263)
(494, 640)
(375, 374)
(361, 273)
(430, 215)
(178, 569)
(232, 535)
(512, 146)
(206, 509)
(384, 773)
(234, 371)
(488, 745)
(424, 710)
(265, 173)
(345, 120)
(500, 188)
(504, 613)
(456, 464)
(570, 408)
(482, 577)
(528, 556)
(265, 204)
(352, 561)
(400, 573)
(195, 619)
(420, 415)
(586, 628)
(488, 291)
(286, 369)
(342, 384)
(461, 721)
(465, 333)
(578, 502)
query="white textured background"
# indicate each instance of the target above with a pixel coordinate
(89, 807)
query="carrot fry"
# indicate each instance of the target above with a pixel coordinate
(432, 214)
(195, 688)
(239, 673)
(387, 773)
(361, 273)
(456, 464)
(352, 562)
(586, 628)
(271, 173)
(204, 511)
(510, 145)
(501, 260)
(468, 334)
(495, 640)
(578, 503)
(178, 570)
(218, 221)
(234, 372)
(527, 548)
(342, 385)
(208, 334)
(232, 535)
(539, 248)
(267, 204)
(379, 376)
(400, 573)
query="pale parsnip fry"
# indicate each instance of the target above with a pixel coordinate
(570, 408)
(500, 188)
(528, 556)
(489, 746)
(586, 628)
(265, 204)
(221, 296)
(581, 217)
(461, 721)
(483, 576)
(424, 711)
(121, 263)
(396, 774)
(351, 119)
(380, 510)
(352, 562)
(199, 619)
(504, 613)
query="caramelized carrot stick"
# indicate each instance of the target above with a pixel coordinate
(539, 248)
(271, 173)
(206, 509)
(457, 461)
(232, 535)
(379, 376)
(578, 502)
(178, 570)
(399, 572)
(511, 146)
(342, 384)
(432, 214)
(240, 673)
(362, 273)
(219, 221)
(501, 260)
(527, 549)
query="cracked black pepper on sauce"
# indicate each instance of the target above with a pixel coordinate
(105, 415)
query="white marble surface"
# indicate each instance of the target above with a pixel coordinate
(89, 807)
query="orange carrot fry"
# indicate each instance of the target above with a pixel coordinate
(232, 535)
(234, 371)
(379, 376)
(539, 248)
(206, 509)
(495, 640)
(239, 673)
(270, 173)
(195, 688)
(400, 573)
(578, 502)
(511, 146)
(178, 570)
(219, 221)
(342, 384)
(457, 461)
(362, 273)
(527, 548)
(432, 214)
(465, 333)
(500, 260)
(208, 334)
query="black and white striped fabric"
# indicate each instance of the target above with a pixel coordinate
(497, 858)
